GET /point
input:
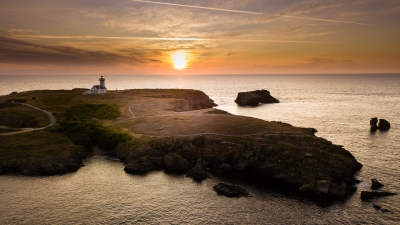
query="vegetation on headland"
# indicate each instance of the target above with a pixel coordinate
(18, 116)
(179, 131)
(80, 127)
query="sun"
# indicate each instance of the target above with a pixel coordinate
(180, 60)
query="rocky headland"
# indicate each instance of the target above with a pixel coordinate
(180, 132)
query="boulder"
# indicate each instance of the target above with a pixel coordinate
(230, 190)
(373, 122)
(139, 166)
(254, 98)
(383, 125)
(157, 161)
(197, 173)
(368, 195)
(225, 166)
(174, 163)
(376, 184)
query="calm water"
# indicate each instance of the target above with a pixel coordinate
(338, 106)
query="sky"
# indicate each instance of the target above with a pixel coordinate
(199, 37)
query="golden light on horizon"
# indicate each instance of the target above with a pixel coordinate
(180, 60)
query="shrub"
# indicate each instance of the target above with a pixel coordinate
(19, 100)
(82, 112)
(82, 130)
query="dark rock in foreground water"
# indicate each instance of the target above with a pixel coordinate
(231, 190)
(374, 124)
(139, 166)
(254, 98)
(368, 195)
(383, 125)
(197, 173)
(376, 184)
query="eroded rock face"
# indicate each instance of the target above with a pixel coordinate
(326, 187)
(383, 125)
(175, 163)
(48, 167)
(300, 160)
(231, 190)
(139, 166)
(254, 98)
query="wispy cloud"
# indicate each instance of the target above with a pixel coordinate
(13, 50)
(253, 13)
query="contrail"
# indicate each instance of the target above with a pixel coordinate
(254, 13)
(22, 37)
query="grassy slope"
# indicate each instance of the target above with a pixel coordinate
(23, 116)
(36, 144)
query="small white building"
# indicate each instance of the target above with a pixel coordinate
(98, 89)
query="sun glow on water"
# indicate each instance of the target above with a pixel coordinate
(180, 60)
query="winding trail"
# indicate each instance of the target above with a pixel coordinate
(53, 121)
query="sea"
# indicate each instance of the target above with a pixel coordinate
(338, 106)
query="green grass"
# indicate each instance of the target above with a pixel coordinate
(58, 99)
(18, 116)
(36, 144)
(80, 127)
(84, 112)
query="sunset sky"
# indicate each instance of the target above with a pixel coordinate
(199, 37)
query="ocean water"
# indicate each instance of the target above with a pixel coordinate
(338, 106)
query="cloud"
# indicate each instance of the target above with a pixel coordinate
(23, 52)
(327, 61)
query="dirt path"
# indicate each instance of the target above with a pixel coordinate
(121, 121)
(53, 121)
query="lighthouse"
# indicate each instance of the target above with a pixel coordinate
(98, 89)
(102, 82)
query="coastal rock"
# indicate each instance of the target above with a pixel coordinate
(383, 125)
(174, 163)
(373, 122)
(376, 184)
(197, 173)
(254, 98)
(225, 166)
(139, 166)
(157, 161)
(231, 190)
(326, 187)
(368, 195)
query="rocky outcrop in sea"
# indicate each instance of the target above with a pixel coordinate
(255, 98)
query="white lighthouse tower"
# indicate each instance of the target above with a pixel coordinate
(98, 89)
